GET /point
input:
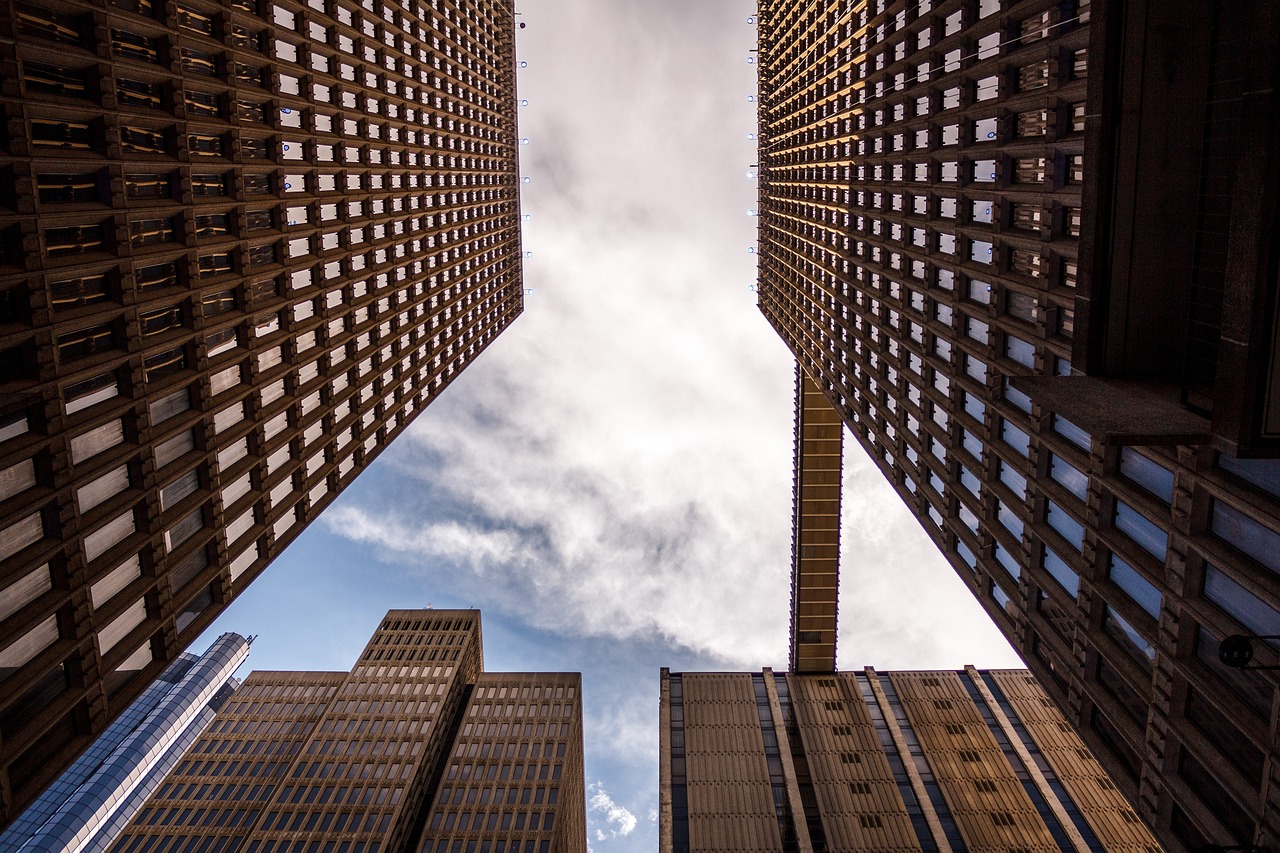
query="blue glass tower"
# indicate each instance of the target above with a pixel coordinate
(87, 807)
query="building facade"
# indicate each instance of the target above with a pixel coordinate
(88, 806)
(416, 749)
(1019, 247)
(245, 243)
(972, 760)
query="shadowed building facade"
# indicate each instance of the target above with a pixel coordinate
(416, 749)
(244, 243)
(1026, 252)
(972, 760)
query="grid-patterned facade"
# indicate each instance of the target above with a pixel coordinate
(360, 762)
(972, 760)
(921, 227)
(513, 782)
(245, 242)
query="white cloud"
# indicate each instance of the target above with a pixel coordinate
(622, 821)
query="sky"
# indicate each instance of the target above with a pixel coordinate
(610, 482)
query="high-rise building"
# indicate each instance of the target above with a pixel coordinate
(927, 761)
(1025, 251)
(416, 749)
(244, 243)
(88, 806)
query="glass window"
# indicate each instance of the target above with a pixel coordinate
(1014, 437)
(1071, 432)
(1141, 530)
(1061, 521)
(1020, 351)
(971, 444)
(1007, 560)
(1068, 476)
(1009, 519)
(24, 648)
(1001, 597)
(1237, 529)
(1155, 478)
(1013, 395)
(1012, 478)
(1245, 607)
(1138, 588)
(1128, 636)
(1263, 473)
(1061, 572)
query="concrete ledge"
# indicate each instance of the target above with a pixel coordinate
(1117, 411)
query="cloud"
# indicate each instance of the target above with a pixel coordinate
(598, 800)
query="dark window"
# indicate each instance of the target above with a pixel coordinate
(1210, 791)
(45, 79)
(151, 232)
(42, 692)
(205, 144)
(164, 364)
(49, 133)
(213, 225)
(40, 23)
(141, 140)
(199, 62)
(215, 264)
(128, 45)
(257, 184)
(156, 276)
(258, 219)
(205, 185)
(74, 240)
(201, 104)
(85, 342)
(137, 93)
(261, 255)
(148, 186)
(1226, 736)
(68, 187)
(161, 320)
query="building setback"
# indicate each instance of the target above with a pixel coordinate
(244, 243)
(1025, 250)
(416, 749)
(86, 808)
(928, 761)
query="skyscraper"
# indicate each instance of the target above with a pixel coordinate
(244, 243)
(974, 760)
(416, 749)
(1025, 252)
(86, 808)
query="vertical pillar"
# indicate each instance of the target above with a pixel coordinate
(815, 559)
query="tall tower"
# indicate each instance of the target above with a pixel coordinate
(88, 806)
(929, 761)
(416, 749)
(244, 243)
(1025, 250)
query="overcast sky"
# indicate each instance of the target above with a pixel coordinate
(610, 483)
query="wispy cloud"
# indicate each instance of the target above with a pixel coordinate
(618, 821)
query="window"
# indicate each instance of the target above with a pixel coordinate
(1014, 437)
(1141, 530)
(1242, 532)
(1155, 478)
(1072, 433)
(25, 648)
(1140, 590)
(1061, 572)
(1068, 476)
(1242, 605)
(1061, 521)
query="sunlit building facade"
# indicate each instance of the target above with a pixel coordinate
(416, 749)
(927, 761)
(1026, 252)
(244, 243)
